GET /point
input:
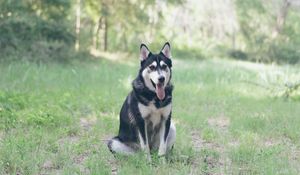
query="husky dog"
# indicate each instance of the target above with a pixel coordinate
(145, 117)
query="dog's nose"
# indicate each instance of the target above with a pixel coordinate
(161, 79)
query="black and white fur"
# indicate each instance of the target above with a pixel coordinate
(145, 117)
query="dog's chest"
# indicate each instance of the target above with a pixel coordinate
(154, 115)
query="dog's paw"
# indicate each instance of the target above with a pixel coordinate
(161, 153)
(162, 150)
(148, 157)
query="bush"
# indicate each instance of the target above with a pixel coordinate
(285, 53)
(35, 39)
(238, 54)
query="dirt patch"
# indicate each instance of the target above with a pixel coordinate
(220, 162)
(293, 152)
(199, 143)
(79, 159)
(48, 165)
(194, 164)
(293, 148)
(271, 142)
(87, 122)
(220, 122)
(114, 166)
(295, 155)
(69, 140)
(210, 161)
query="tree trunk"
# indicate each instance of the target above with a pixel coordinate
(77, 28)
(95, 36)
(281, 18)
(105, 34)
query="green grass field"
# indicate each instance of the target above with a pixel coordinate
(230, 118)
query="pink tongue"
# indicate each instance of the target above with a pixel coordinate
(160, 92)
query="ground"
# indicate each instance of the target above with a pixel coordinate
(230, 118)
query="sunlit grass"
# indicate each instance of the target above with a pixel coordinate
(230, 118)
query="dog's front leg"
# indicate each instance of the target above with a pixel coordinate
(147, 144)
(144, 142)
(163, 133)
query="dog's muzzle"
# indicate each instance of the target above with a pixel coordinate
(159, 88)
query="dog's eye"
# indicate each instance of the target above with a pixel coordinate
(164, 67)
(152, 67)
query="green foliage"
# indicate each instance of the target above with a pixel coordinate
(258, 27)
(285, 52)
(35, 31)
(45, 30)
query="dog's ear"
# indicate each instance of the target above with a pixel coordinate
(144, 52)
(166, 50)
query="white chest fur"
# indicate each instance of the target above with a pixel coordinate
(154, 114)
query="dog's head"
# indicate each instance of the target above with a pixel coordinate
(156, 69)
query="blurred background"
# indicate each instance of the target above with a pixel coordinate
(254, 30)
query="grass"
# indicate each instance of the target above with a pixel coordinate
(55, 118)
